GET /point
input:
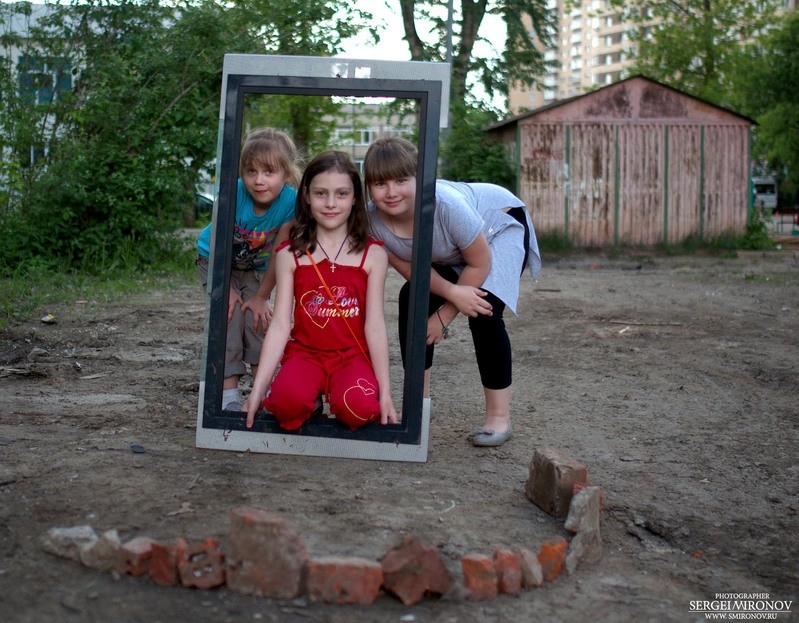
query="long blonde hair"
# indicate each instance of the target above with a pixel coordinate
(271, 148)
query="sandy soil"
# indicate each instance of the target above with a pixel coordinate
(674, 379)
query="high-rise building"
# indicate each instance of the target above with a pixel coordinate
(591, 48)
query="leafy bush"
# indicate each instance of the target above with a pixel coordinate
(466, 155)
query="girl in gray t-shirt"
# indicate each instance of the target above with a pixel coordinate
(482, 241)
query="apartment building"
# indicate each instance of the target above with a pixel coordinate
(591, 49)
(360, 123)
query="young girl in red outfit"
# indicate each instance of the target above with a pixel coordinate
(331, 276)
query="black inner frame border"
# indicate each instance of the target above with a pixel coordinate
(428, 96)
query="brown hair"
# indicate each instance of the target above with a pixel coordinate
(389, 159)
(271, 148)
(303, 232)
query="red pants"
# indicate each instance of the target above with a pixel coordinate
(346, 378)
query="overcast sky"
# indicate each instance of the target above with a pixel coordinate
(393, 47)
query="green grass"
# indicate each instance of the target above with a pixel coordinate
(780, 279)
(30, 291)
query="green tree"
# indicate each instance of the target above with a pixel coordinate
(120, 149)
(468, 157)
(694, 45)
(520, 62)
(98, 172)
(322, 29)
(767, 89)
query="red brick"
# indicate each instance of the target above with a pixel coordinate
(551, 557)
(584, 548)
(414, 569)
(134, 556)
(204, 565)
(266, 556)
(509, 571)
(164, 562)
(585, 509)
(532, 574)
(578, 486)
(344, 580)
(103, 553)
(479, 577)
(551, 480)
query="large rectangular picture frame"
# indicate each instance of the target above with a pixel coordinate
(428, 84)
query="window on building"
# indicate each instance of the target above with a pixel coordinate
(42, 80)
(365, 137)
(343, 136)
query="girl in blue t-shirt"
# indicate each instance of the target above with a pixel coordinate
(265, 204)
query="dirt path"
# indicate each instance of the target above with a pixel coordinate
(675, 380)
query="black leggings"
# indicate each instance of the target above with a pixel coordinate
(489, 335)
(491, 341)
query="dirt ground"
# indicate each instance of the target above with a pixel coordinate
(674, 379)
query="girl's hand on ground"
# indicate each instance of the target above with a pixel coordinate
(261, 312)
(469, 300)
(388, 414)
(251, 411)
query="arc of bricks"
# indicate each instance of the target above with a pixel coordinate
(267, 558)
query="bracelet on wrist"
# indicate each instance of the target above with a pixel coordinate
(444, 328)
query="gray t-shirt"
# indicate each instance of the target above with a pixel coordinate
(462, 212)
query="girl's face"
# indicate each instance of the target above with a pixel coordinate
(264, 183)
(331, 196)
(394, 197)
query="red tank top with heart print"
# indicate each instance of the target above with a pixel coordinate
(318, 325)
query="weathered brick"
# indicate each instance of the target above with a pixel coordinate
(134, 556)
(509, 571)
(532, 574)
(479, 577)
(164, 562)
(551, 480)
(551, 557)
(584, 509)
(584, 548)
(102, 553)
(204, 565)
(578, 486)
(68, 542)
(414, 569)
(344, 580)
(266, 556)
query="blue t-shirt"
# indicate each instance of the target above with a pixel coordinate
(253, 235)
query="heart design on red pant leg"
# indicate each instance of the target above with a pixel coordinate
(366, 388)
